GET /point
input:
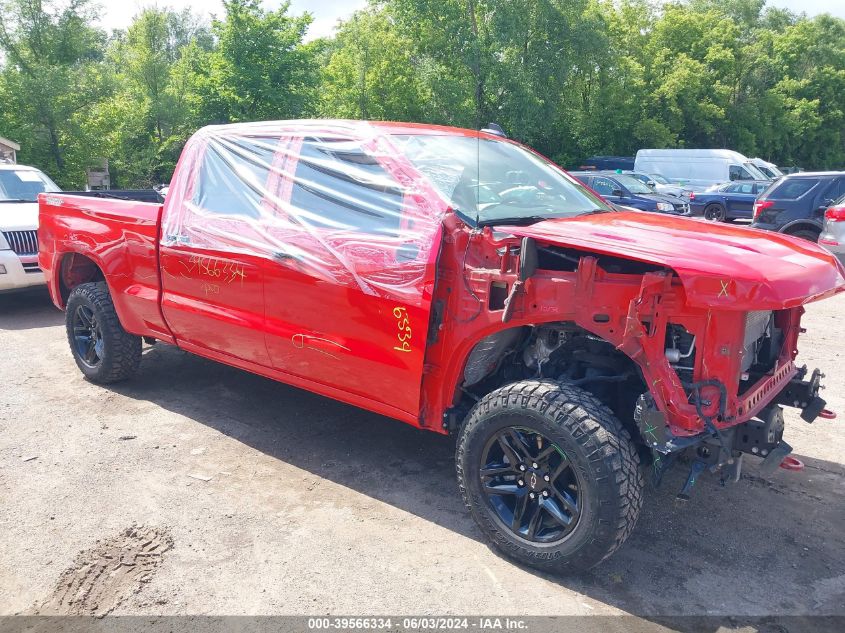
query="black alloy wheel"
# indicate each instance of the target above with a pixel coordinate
(87, 337)
(530, 485)
(715, 213)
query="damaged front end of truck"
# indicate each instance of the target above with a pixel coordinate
(690, 339)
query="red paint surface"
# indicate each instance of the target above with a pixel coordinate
(792, 463)
(763, 270)
(272, 318)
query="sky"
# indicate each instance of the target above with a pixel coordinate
(118, 13)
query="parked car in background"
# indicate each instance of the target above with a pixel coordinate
(19, 189)
(796, 203)
(770, 170)
(729, 201)
(697, 168)
(625, 190)
(833, 231)
(658, 183)
(600, 163)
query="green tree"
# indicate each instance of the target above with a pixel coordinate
(52, 75)
(371, 72)
(259, 68)
(152, 116)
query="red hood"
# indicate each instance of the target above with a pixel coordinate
(718, 264)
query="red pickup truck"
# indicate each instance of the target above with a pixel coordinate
(458, 281)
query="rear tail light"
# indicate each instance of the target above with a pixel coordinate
(691, 196)
(760, 206)
(835, 214)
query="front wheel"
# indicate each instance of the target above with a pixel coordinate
(102, 349)
(550, 475)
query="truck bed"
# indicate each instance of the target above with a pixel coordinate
(138, 195)
(86, 238)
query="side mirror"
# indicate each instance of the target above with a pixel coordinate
(651, 184)
(617, 193)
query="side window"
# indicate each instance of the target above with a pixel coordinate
(794, 188)
(736, 172)
(836, 190)
(730, 188)
(337, 185)
(745, 188)
(603, 186)
(233, 177)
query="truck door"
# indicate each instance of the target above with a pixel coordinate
(212, 285)
(741, 205)
(349, 297)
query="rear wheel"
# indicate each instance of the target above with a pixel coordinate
(102, 349)
(714, 213)
(550, 475)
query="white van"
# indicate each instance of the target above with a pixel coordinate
(769, 169)
(697, 169)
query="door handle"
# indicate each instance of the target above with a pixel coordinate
(318, 344)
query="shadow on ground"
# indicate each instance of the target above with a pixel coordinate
(28, 310)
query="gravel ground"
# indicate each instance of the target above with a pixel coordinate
(226, 493)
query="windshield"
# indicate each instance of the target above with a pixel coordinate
(496, 181)
(23, 185)
(771, 172)
(755, 171)
(632, 184)
(659, 179)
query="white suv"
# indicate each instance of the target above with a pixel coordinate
(19, 189)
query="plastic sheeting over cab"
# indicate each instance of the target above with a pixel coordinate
(338, 200)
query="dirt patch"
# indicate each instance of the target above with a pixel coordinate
(101, 578)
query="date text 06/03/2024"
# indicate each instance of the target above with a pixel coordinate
(428, 623)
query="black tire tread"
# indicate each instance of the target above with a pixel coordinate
(720, 206)
(606, 442)
(123, 350)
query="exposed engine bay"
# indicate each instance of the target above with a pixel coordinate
(565, 352)
(559, 351)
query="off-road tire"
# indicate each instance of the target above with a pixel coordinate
(715, 213)
(121, 350)
(601, 450)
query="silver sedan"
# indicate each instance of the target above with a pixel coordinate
(833, 234)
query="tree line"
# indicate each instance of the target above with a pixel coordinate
(571, 78)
